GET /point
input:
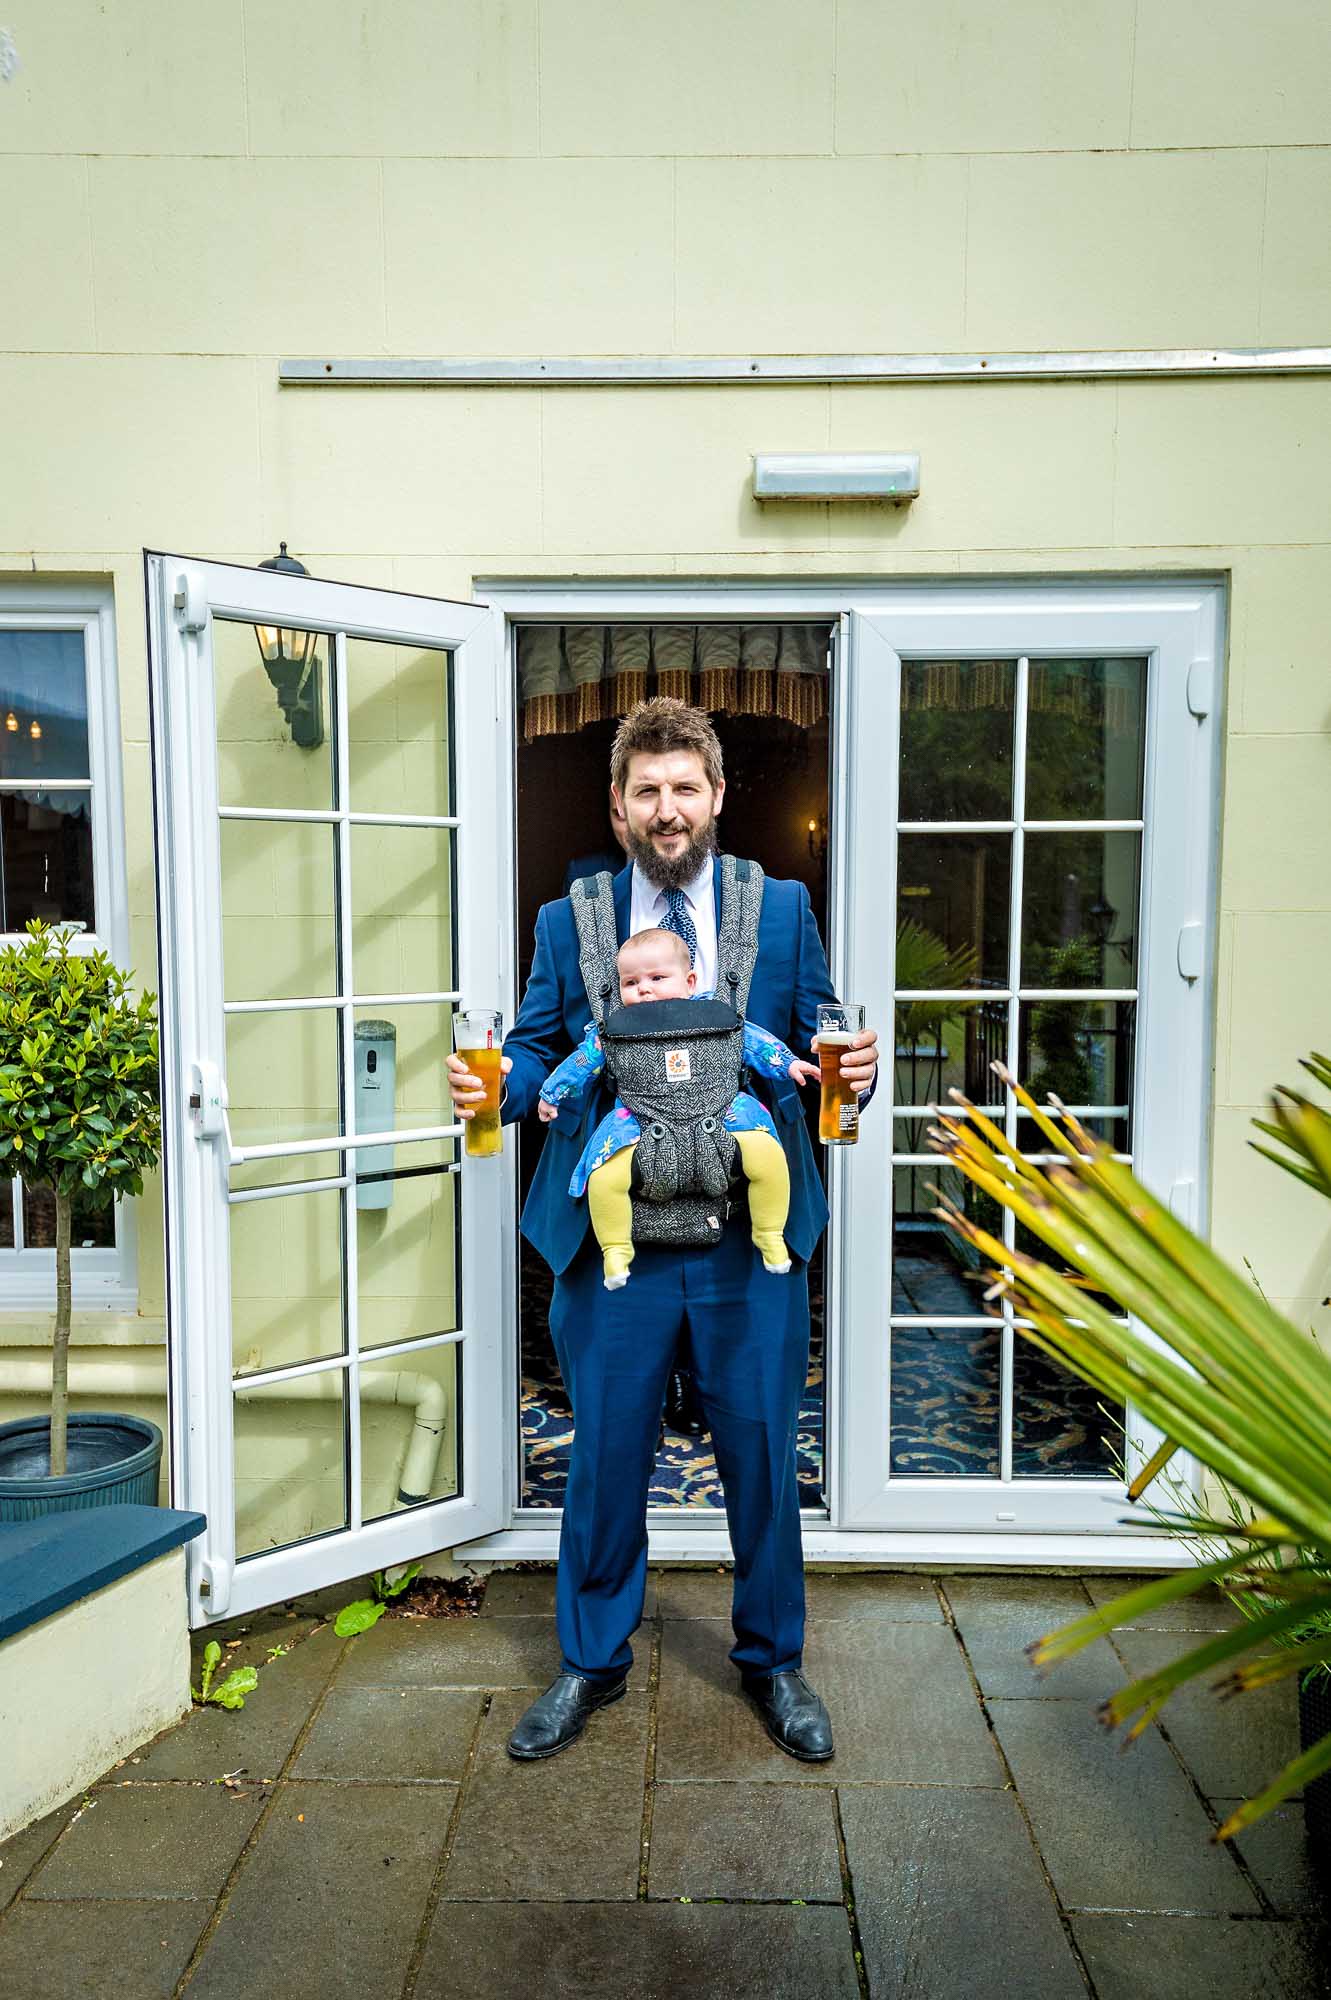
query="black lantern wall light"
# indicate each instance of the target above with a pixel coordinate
(292, 665)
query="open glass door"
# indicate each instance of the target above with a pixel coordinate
(1025, 857)
(327, 773)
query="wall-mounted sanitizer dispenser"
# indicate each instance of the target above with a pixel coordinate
(376, 1101)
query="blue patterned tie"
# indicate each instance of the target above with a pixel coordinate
(679, 919)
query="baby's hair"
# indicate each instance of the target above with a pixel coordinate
(673, 939)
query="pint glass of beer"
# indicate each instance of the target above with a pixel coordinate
(478, 1034)
(839, 1110)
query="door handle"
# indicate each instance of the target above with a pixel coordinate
(207, 1100)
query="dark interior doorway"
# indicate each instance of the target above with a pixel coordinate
(776, 812)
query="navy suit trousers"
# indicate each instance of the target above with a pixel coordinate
(748, 1332)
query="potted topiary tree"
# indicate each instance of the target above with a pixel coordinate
(79, 1116)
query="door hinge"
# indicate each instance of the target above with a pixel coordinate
(1180, 1201)
(1201, 688)
(191, 601)
(1190, 953)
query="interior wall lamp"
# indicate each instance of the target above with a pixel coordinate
(292, 665)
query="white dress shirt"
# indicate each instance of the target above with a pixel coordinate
(648, 907)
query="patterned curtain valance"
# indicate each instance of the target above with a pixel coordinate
(571, 675)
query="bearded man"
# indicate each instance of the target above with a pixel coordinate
(747, 1328)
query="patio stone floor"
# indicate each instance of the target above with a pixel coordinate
(977, 1833)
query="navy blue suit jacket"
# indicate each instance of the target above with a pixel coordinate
(790, 979)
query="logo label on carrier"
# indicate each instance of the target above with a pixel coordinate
(678, 1068)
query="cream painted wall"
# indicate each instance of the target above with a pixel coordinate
(193, 188)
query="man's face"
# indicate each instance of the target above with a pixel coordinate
(670, 812)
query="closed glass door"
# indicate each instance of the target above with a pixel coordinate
(326, 767)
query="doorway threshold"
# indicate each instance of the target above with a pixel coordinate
(679, 1541)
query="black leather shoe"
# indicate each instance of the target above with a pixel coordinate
(793, 1715)
(559, 1716)
(683, 1408)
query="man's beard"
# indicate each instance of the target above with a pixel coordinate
(667, 872)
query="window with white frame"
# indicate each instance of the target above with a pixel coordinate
(61, 860)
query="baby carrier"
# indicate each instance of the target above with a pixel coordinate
(676, 1064)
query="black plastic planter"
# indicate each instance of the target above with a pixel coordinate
(1314, 1724)
(112, 1460)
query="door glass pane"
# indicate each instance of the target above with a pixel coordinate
(45, 857)
(290, 1461)
(282, 1079)
(1079, 909)
(411, 1429)
(952, 908)
(946, 1403)
(43, 705)
(402, 903)
(286, 1280)
(279, 927)
(1061, 1427)
(1081, 1051)
(398, 700)
(407, 1087)
(268, 756)
(1085, 737)
(407, 1246)
(935, 1273)
(956, 739)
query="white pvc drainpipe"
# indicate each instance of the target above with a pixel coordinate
(95, 1377)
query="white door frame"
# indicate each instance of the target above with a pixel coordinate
(183, 596)
(1178, 618)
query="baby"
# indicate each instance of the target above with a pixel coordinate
(654, 965)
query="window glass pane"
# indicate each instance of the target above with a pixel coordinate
(1084, 739)
(45, 858)
(935, 1273)
(398, 722)
(286, 1278)
(279, 902)
(952, 908)
(43, 706)
(1081, 1051)
(7, 1191)
(1079, 909)
(92, 1228)
(290, 1460)
(956, 739)
(1061, 1426)
(402, 897)
(411, 1430)
(946, 1402)
(266, 757)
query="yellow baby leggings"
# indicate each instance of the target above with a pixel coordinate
(765, 1169)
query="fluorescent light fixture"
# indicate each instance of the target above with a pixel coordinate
(836, 475)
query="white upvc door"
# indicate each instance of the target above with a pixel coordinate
(329, 887)
(1029, 810)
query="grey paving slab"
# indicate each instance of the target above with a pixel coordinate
(497, 1652)
(695, 1593)
(98, 1951)
(257, 1738)
(899, 1696)
(705, 1593)
(1205, 1611)
(1276, 1850)
(765, 1841)
(563, 1826)
(999, 1616)
(1231, 1747)
(1119, 1829)
(330, 1903)
(391, 1734)
(951, 1898)
(1202, 1958)
(20, 1854)
(531, 1593)
(151, 1840)
(638, 1951)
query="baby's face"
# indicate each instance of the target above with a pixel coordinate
(652, 972)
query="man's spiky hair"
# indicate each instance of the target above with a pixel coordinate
(660, 725)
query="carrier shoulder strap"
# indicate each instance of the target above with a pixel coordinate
(593, 900)
(737, 937)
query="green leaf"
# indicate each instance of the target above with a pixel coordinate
(233, 1690)
(383, 1589)
(358, 1617)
